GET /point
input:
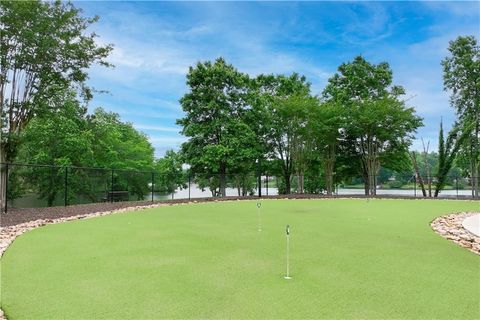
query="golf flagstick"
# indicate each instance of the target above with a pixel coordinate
(287, 231)
(259, 204)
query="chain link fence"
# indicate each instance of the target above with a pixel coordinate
(32, 186)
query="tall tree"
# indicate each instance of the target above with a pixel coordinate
(447, 152)
(285, 102)
(418, 174)
(215, 111)
(58, 138)
(379, 124)
(45, 47)
(326, 127)
(119, 146)
(169, 174)
(461, 76)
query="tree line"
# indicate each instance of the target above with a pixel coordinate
(358, 125)
(238, 126)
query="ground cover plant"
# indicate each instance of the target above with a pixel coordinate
(349, 259)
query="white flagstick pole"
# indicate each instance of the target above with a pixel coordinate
(259, 217)
(288, 252)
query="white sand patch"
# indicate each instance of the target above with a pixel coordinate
(472, 224)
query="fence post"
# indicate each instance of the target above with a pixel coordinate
(415, 186)
(6, 188)
(456, 185)
(266, 184)
(66, 187)
(111, 189)
(153, 183)
(259, 180)
(189, 182)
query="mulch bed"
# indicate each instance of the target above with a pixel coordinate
(16, 216)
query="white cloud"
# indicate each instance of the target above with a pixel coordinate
(152, 54)
(458, 8)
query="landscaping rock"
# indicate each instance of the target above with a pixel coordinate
(450, 227)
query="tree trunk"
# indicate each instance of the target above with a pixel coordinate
(475, 155)
(371, 166)
(3, 180)
(222, 191)
(300, 182)
(474, 176)
(372, 178)
(223, 180)
(418, 177)
(366, 182)
(329, 165)
(288, 187)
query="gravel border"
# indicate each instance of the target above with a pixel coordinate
(18, 221)
(450, 227)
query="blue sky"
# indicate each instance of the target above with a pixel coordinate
(156, 42)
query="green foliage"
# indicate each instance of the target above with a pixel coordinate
(245, 183)
(45, 48)
(59, 137)
(216, 110)
(210, 181)
(461, 71)
(447, 151)
(285, 101)
(326, 127)
(67, 137)
(169, 174)
(378, 124)
(118, 144)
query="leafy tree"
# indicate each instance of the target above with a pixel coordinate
(244, 183)
(461, 76)
(59, 137)
(215, 112)
(169, 174)
(120, 146)
(285, 101)
(212, 182)
(44, 49)
(378, 124)
(447, 151)
(67, 137)
(326, 125)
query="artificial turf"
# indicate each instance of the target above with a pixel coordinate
(349, 259)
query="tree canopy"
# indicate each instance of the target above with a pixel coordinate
(461, 77)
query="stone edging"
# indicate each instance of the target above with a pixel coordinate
(450, 227)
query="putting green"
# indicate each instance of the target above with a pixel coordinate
(349, 259)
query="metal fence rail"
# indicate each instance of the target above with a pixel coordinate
(31, 185)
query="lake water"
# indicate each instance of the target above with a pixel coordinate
(32, 201)
(195, 192)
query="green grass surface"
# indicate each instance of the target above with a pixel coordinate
(349, 259)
